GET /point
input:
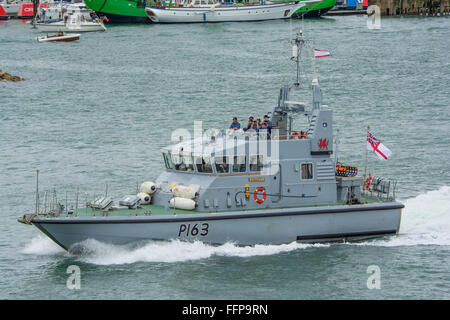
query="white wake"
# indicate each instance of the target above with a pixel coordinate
(177, 251)
(425, 221)
(41, 245)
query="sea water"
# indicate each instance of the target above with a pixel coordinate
(97, 111)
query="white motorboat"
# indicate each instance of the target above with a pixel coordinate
(217, 11)
(71, 18)
(59, 37)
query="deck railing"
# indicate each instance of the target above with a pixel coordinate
(380, 187)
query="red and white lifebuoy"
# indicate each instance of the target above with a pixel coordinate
(255, 195)
(368, 182)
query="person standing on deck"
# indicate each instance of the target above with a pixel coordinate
(258, 125)
(251, 124)
(235, 125)
(269, 123)
(264, 131)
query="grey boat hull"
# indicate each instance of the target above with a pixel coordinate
(274, 226)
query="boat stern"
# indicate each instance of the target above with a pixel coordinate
(152, 13)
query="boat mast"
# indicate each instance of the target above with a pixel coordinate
(367, 151)
(296, 50)
(37, 192)
(35, 8)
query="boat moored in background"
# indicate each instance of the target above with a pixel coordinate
(59, 37)
(10, 8)
(3, 14)
(133, 11)
(68, 18)
(217, 11)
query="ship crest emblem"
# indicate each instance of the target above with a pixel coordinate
(323, 144)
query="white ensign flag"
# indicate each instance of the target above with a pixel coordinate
(376, 146)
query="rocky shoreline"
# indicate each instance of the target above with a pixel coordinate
(5, 76)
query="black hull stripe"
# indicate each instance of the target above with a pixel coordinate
(346, 235)
(105, 220)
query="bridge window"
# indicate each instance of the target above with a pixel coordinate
(256, 163)
(186, 163)
(240, 164)
(167, 161)
(178, 162)
(203, 164)
(189, 163)
(307, 171)
(222, 164)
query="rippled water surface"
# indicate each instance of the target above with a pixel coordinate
(97, 112)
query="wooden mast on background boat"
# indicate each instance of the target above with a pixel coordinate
(35, 8)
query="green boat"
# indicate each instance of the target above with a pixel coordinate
(133, 11)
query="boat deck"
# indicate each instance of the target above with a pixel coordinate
(153, 210)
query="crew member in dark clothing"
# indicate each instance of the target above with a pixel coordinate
(251, 124)
(258, 125)
(269, 123)
(264, 131)
(235, 125)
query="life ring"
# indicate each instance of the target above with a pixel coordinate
(367, 184)
(255, 195)
(369, 180)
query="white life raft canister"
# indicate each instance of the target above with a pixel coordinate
(187, 192)
(145, 197)
(149, 187)
(182, 203)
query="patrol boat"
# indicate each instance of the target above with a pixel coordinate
(266, 187)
